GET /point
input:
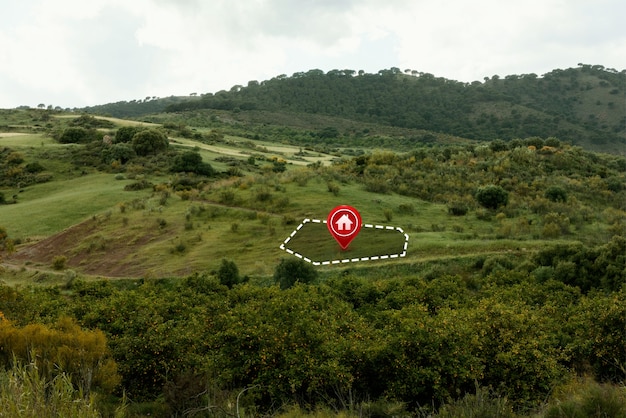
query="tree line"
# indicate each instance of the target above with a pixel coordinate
(498, 108)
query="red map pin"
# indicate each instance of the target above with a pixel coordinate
(344, 223)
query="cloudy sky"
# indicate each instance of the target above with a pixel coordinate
(75, 53)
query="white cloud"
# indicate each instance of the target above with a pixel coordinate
(75, 53)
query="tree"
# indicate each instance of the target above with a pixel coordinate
(492, 197)
(291, 271)
(126, 133)
(149, 142)
(191, 162)
(76, 135)
(118, 152)
(228, 273)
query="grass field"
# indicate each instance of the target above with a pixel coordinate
(48, 208)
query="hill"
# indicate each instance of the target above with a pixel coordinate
(136, 108)
(584, 106)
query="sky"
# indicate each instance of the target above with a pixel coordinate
(76, 53)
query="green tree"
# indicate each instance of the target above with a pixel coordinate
(121, 152)
(149, 142)
(228, 273)
(126, 133)
(191, 162)
(291, 271)
(77, 135)
(492, 197)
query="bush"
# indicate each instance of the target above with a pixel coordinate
(191, 162)
(138, 185)
(118, 152)
(228, 273)
(291, 271)
(483, 404)
(492, 197)
(77, 135)
(457, 209)
(556, 194)
(333, 188)
(589, 400)
(126, 133)
(149, 142)
(58, 262)
(34, 167)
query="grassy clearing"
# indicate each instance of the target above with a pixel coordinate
(315, 242)
(19, 140)
(48, 208)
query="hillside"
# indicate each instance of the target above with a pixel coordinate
(584, 106)
(142, 262)
(264, 187)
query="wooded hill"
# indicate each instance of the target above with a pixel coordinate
(584, 106)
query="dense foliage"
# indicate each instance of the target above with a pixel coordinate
(582, 105)
(408, 338)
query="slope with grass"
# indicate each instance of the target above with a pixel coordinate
(176, 227)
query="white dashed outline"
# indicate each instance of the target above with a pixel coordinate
(345, 260)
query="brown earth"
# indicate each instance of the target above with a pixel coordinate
(112, 261)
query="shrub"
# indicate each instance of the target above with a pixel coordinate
(58, 262)
(34, 167)
(138, 185)
(498, 145)
(388, 214)
(492, 197)
(118, 152)
(333, 188)
(457, 208)
(77, 135)
(228, 273)
(149, 142)
(589, 399)
(126, 133)
(291, 271)
(191, 162)
(406, 208)
(556, 194)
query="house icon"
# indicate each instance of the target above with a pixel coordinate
(344, 223)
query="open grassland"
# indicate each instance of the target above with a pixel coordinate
(20, 140)
(49, 208)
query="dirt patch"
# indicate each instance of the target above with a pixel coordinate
(84, 253)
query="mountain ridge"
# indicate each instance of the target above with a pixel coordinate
(584, 106)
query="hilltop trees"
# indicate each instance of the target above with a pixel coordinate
(528, 105)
